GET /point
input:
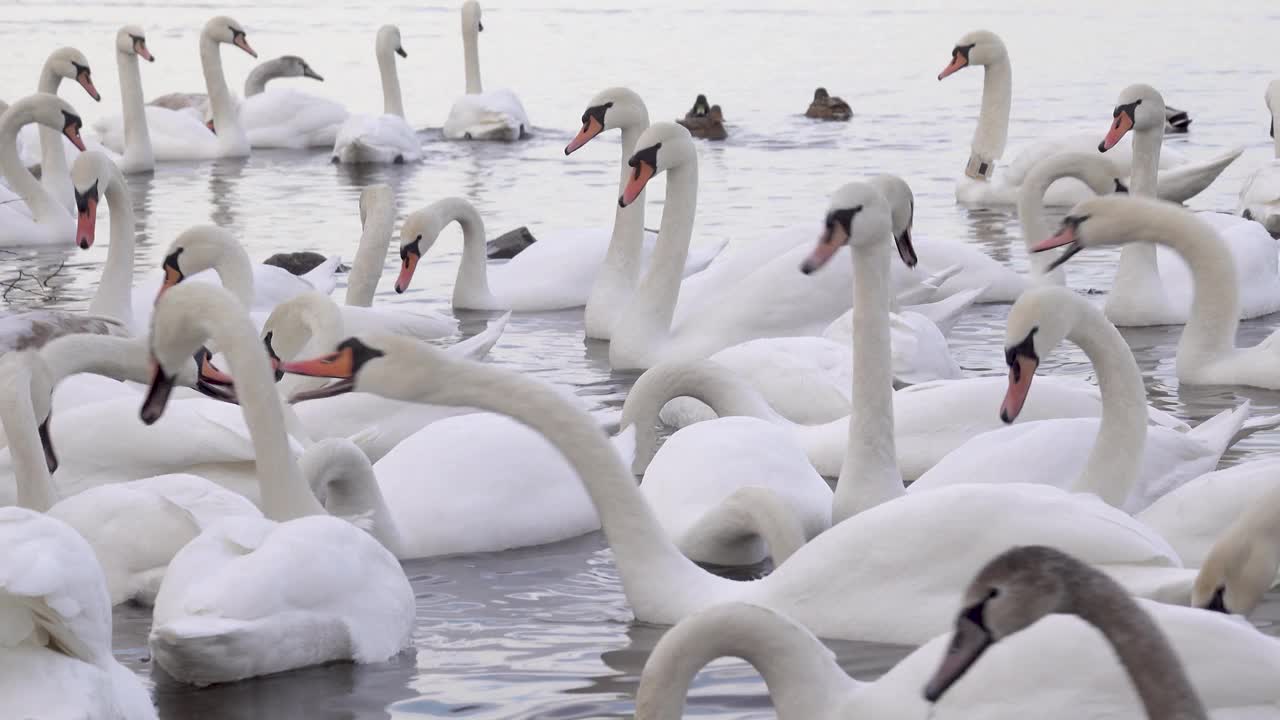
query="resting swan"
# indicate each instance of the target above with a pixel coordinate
(40, 218)
(384, 138)
(254, 596)
(480, 115)
(282, 117)
(860, 579)
(179, 134)
(44, 146)
(1146, 292)
(1179, 179)
(1260, 195)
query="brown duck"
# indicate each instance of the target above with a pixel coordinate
(705, 120)
(826, 107)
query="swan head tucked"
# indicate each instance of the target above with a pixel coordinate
(858, 216)
(422, 228)
(381, 364)
(50, 111)
(388, 42)
(1113, 220)
(131, 40)
(1240, 567)
(71, 64)
(1041, 319)
(980, 47)
(227, 31)
(902, 205)
(471, 21)
(1139, 108)
(614, 108)
(92, 173)
(663, 146)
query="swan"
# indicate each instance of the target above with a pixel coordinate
(384, 138)
(1087, 454)
(1207, 354)
(879, 592)
(1144, 293)
(552, 274)
(131, 44)
(253, 596)
(1161, 651)
(40, 218)
(254, 83)
(168, 510)
(180, 134)
(43, 146)
(1054, 669)
(280, 117)
(56, 652)
(1260, 195)
(1093, 170)
(1241, 566)
(480, 115)
(1180, 179)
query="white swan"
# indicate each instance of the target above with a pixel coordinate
(384, 138)
(860, 579)
(554, 273)
(131, 44)
(805, 681)
(44, 146)
(179, 134)
(282, 117)
(1086, 454)
(1241, 566)
(39, 219)
(1260, 195)
(56, 649)
(480, 115)
(252, 596)
(168, 510)
(1179, 179)
(1147, 292)
(1207, 354)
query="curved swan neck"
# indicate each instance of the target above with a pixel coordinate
(226, 117)
(993, 120)
(803, 678)
(1138, 271)
(704, 380)
(472, 286)
(1116, 458)
(114, 297)
(54, 176)
(378, 217)
(617, 278)
(35, 489)
(768, 515)
(118, 358)
(647, 560)
(392, 104)
(471, 56)
(341, 472)
(1035, 228)
(137, 137)
(43, 206)
(256, 82)
(870, 473)
(235, 270)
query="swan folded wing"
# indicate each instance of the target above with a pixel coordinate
(32, 329)
(493, 115)
(920, 352)
(377, 139)
(397, 320)
(286, 118)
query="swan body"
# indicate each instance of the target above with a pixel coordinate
(40, 218)
(481, 115)
(56, 654)
(982, 185)
(1149, 292)
(384, 138)
(280, 117)
(697, 481)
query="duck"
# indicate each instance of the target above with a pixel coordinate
(480, 114)
(1144, 293)
(826, 106)
(704, 120)
(385, 138)
(44, 146)
(39, 219)
(1260, 194)
(1180, 178)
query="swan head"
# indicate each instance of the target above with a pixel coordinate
(183, 320)
(307, 317)
(1139, 108)
(1040, 320)
(902, 205)
(379, 364)
(54, 112)
(389, 42)
(92, 173)
(131, 40)
(471, 17)
(1109, 220)
(223, 29)
(980, 47)
(611, 109)
(197, 248)
(661, 147)
(858, 216)
(421, 229)
(294, 66)
(71, 64)
(1096, 171)
(1239, 569)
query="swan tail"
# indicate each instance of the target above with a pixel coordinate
(945, 312)
(927, 290)
(478, 346)
(1253, 425)
(1222, 430)
(1183, 183)
(204, 650)
(321, 277)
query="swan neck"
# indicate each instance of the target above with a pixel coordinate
(993, 119)
(351, 490)
(618, 275)
(1138, 272)
(137, 137)
(256, 82)
(226, 116)
(802, 676)
(235, 270)
(54, 175)
(471, 56)
(371, 254)
(1116, 458)
(392, 103)
(35, 489)
(870, 474)
(1215, 303)
(114, 297)
(1146, 161)
(1035, 228)
(43, 207)
(119, 358)
(471, 289)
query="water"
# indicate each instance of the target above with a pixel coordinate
(546, 632)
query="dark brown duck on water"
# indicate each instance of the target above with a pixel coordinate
(827, 107)
(705, 120)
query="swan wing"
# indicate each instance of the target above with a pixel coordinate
(286, 118)
(493, 115)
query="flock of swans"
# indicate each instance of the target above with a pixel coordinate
(246, 456)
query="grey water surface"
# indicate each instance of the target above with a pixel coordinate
(545, 632)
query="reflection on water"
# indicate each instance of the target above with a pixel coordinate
(545, 631)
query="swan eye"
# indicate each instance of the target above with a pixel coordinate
(1026, 348)
(83, 198)
(647, 156)
(843, 217)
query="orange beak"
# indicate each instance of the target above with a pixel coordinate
(1065, 236)
(140, 48)
(339, 365)
(243, 43)
(830, 242)
(958, 62)
(410, 263)
(171, 277)
(1021, 373)
(589, 130)
(72, 131)
(640, 177)
(86, 223)
(209, 125)
(86, 82)
(1123, 124)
